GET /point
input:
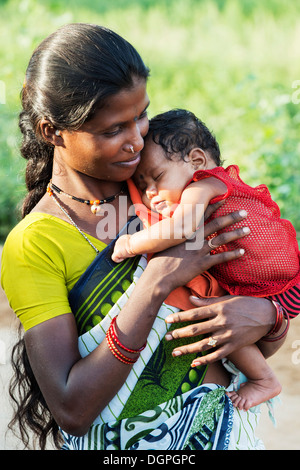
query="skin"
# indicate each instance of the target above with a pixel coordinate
(157, 177)
(166, 188)
(92, 163)
(164, 192)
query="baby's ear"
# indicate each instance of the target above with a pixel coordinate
(198, 158)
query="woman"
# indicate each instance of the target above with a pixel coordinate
(83, 121)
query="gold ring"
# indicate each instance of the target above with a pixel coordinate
(211, 245)
(212, 342)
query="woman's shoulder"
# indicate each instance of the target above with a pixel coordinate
(35, 221)
(41, 237)
(34, 227)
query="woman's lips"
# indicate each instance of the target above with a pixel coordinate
(134, 161)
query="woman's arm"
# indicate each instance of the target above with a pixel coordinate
(77, 389)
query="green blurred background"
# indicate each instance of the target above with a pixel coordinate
(235, 63)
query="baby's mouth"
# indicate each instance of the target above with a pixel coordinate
(158, 206)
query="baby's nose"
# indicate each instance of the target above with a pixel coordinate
(151, 192)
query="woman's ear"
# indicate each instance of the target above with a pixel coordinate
(198, 158)
(50, 133)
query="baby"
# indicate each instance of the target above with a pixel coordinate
(180, 171)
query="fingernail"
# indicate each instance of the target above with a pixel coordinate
(243, 213)
(242, 251)
(169, 319)
(246, 229)
(176, 353)
(168, 337)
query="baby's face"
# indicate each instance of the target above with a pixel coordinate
(161, 180)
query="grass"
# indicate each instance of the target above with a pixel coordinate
(233, 63)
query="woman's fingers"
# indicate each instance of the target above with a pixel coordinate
(222, 257)
(205, 321)
(211, 208)
(227, 237)
(215, 347)
(213, 356)
(224, 221)
(198, 314)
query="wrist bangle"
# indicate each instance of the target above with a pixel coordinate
(113, 333)
(279, 319)
(112, 341)
(117, 353)
(281, 314)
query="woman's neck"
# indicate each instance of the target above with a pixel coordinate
(84, 186)
(114, 214)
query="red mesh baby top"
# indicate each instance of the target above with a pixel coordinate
(270, 264)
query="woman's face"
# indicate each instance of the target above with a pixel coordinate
(101, 148)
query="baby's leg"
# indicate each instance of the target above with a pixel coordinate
(262, 383)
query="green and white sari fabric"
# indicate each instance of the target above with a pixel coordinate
(163, 404)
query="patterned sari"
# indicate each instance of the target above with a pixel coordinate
(163, 404)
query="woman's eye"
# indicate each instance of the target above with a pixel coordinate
(144, 114)
(112, 133)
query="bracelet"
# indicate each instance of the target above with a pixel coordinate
(279, 318)
(114, 335)
(280, 315)
(116, 352)
(112, 340)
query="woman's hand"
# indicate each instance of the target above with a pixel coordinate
(178, 265)
(233, 322)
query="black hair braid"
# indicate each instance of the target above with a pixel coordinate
(39, 155)
(32, 412)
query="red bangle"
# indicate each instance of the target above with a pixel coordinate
(115, 338)
(117, 353)
(280, 315)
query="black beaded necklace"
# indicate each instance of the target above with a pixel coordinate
(95, 205)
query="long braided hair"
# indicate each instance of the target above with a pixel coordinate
(69, 74)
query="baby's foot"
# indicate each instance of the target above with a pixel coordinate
(255, 392)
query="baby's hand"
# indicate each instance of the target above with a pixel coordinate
(122, 249)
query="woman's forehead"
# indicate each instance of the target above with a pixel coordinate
(124, 106)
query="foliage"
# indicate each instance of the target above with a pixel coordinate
(232, 62)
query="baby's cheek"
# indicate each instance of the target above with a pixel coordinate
(146, 201)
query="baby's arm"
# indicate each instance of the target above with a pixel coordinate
(175, 230)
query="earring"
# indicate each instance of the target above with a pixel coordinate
(57, 132)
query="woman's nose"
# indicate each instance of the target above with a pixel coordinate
(137, 140)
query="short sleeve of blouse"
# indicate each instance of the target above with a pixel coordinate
(42, 259)
(33, 276)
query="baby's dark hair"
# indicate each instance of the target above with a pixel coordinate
(178, 131)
